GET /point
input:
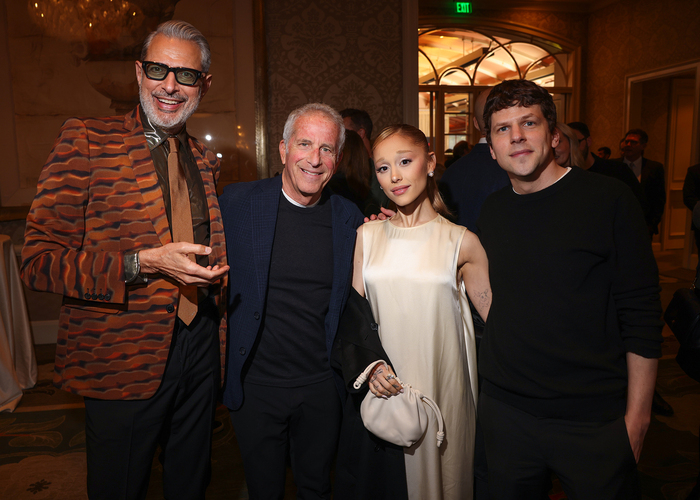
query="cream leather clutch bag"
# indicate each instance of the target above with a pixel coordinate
(400, 419)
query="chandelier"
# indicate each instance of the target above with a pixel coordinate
(85, 20)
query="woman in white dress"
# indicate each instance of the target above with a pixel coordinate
(414, 268)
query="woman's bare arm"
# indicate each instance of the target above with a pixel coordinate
(474, 270)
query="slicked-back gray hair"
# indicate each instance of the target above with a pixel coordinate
(314, 107)
(181, 31)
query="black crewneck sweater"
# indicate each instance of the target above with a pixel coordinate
(575, 287)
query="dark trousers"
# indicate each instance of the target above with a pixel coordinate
(303, 422)
(591, 459)
(122, 436)
(481, 469)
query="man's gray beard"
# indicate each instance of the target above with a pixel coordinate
(174, 121)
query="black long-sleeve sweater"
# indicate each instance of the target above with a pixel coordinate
(575, 287)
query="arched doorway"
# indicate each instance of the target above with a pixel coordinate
(455, 64)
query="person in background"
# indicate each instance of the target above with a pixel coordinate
(352, 178)
(460, 149)
(358, 120)
(126, 226)
(604, 152)
(567, 153)
(611, 168)
(467, 183)
(650, 174)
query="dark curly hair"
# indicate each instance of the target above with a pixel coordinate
(519, 93)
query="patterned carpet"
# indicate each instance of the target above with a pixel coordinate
(42, 444)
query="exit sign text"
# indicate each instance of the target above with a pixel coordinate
(464, 7)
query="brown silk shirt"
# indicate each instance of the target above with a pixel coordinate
(158, 144)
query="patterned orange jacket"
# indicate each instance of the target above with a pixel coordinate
(98, 197)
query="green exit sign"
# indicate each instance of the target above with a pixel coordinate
(464, 7)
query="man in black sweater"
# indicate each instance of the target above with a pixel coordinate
(568, 355)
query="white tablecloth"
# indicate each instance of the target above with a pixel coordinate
(17, 360)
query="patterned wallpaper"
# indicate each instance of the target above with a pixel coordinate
(346, 54)
(628, 37)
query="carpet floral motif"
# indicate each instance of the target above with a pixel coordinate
(45, 477)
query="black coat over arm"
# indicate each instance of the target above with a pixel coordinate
(362, 455)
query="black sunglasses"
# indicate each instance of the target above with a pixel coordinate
(158, 71)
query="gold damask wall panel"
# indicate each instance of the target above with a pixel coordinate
(628, 37)
(345, 54)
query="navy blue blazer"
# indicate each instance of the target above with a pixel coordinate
(249, 212)
(469, 181)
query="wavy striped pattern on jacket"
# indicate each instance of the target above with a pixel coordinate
(98, 197)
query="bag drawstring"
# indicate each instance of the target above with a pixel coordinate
(441, 429)
(362, 378)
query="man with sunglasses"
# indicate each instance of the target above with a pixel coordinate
(126, 226)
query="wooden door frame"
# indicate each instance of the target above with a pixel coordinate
(665, 72)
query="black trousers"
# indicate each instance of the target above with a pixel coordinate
(593, 460)
(303, 422)
(122, 436)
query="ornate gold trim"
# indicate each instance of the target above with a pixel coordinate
(260, 89)
(537, 35)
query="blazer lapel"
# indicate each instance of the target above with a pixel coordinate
(145, 174)
(264, 205)
(343, 247)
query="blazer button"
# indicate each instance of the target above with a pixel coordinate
(108, 296)
(169, 308)
(256, 315)
(101, 297)
(374, 326)
(87, 296)
(94, 296)
(242, 351)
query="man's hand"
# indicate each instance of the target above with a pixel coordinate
(641, 378)
(172, 260)
(383, 215)
(636, 430)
